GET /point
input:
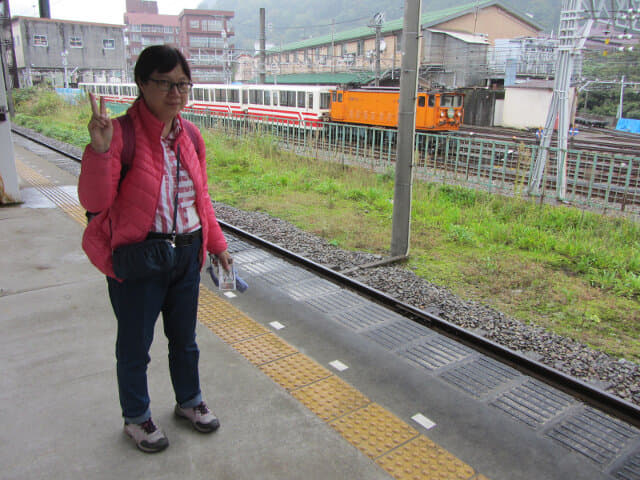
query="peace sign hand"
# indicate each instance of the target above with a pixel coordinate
(100, 127)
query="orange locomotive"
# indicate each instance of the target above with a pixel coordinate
(435, 111)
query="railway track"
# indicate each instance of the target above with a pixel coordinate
(586, 392)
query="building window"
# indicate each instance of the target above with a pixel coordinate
(398, 41)
(135, 28)
(40, 41)
(169, 39)
(168, 29)
(109, 44)
(360, 49)
(212, 25)
(194, 24)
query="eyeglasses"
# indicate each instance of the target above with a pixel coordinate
(166, 85)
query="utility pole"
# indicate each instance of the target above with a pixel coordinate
(45, 11)
(619, 116)
(333, 46)
(378, 18)
(401, 224)
(263, 53)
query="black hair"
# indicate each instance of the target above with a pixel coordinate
(161, 59)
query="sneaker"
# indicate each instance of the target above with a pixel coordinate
(200, 417)
(148, 437)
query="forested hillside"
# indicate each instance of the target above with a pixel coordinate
(292, 21)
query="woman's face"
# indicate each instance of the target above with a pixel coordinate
(166, 104)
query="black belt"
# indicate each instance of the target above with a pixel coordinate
(180, 240)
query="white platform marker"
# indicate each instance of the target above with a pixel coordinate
(276, 325)
(338, 365)
(424, 421)
(230, 295)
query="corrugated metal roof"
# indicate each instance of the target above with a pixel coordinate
(465, 37)
(426, 20)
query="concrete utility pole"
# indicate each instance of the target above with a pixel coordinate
(378, 18)
(621, 104)
(263, 48)
(576, 20)
(401, 224)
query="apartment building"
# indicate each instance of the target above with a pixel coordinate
(203, 36)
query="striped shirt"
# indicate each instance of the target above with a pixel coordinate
(187, 219)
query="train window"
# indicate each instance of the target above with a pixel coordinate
(432, 100)
(339, 98)
(198, 94)
(446, 101)
(233, 96)
(300, 99)
(275, 98)
(325, 100)
(267, 97)
(457, 101)
(245, 96)
(255, 97)
(310, 100)
(220, 95)
(421, 101)
(333, 96)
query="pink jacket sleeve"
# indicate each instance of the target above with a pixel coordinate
(100, 174)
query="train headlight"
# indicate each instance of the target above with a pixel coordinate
(441, 113)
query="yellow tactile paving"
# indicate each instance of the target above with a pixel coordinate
(374, 430)
(212, 309)
(58, 196)
(238, 329)
(331, 398)
(295, 371)
(263, 349)
(422, 459)
(396, 447)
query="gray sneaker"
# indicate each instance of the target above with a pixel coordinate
(200, 417)
(148, 437)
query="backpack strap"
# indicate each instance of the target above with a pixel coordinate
(128, 143)
(193, 132)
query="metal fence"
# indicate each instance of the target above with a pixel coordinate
(602, 181)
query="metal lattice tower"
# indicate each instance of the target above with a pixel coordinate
(576, 20)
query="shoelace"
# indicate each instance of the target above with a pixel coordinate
(148, 426)
(202, 408)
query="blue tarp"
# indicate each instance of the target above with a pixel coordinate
(628, 125)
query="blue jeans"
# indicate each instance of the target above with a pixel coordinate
(137, 304)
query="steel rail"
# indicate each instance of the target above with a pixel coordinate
(589, 394)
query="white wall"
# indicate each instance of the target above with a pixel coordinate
(526, 107)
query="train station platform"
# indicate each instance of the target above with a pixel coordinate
(299, 395)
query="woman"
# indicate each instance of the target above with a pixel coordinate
(141, 204)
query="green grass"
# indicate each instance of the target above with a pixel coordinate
(570, 271)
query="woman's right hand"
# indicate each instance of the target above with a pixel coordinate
(100, 127)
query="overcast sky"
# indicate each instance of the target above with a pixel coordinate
(104, 11)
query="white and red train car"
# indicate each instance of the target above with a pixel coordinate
(289, 104)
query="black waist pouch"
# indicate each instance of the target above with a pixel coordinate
(143, 259)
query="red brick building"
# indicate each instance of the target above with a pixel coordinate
(203, 36)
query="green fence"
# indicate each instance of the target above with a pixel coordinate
(595, 180)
